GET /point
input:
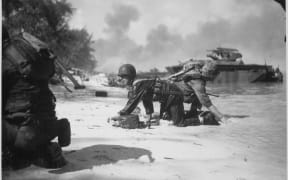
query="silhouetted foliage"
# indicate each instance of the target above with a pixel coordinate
(48, 20)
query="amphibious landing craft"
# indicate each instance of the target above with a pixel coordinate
(233, 70)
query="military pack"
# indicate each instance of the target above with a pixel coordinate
(30, 56)
(196, 69)
(209, 70)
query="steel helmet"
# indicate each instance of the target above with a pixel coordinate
(127, 70)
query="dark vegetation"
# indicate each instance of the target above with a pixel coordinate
(48, 21)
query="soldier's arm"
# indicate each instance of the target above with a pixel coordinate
(133, 101)
(148, 104)
(199, 88)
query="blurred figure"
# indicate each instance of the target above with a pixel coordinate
(29, 121)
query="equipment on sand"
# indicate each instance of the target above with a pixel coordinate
(130, 121)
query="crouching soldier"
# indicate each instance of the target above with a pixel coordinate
(29, 121)
(149, 90)
(194, 76)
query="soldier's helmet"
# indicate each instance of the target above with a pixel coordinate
(127, 70)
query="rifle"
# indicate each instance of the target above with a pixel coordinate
(61, 66)
(64, 85)
(215, 95)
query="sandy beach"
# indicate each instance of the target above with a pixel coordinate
(251, 146)
(81, 48)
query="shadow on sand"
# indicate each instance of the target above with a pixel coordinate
(98, 155)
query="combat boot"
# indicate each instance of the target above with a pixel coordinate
(50, 156)
(64, 132)
(193, 121)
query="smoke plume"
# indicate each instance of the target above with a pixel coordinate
(259, 37)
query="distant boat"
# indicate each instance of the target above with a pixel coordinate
(233, 70)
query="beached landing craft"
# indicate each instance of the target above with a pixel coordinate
(233, 70)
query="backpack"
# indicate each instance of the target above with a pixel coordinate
(29, 56)
(196, 69)
(209, 70)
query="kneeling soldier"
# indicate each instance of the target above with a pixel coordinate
(195, 74)
(149, 90)
(29, 121)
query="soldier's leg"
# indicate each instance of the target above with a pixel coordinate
(26, 138)
(162, 110)
(9, 133)
(192, 111)
(55, 128)
(192, 118)
(18, 146)
(32, 144)
(21, 140)
(177, 113)
(49, 154)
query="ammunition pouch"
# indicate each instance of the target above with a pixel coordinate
(164, 89)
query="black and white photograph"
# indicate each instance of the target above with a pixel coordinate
(144, 90)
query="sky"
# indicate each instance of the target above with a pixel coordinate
(160, 33)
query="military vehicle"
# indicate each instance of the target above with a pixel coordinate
(233, 70)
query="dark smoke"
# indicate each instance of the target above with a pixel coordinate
(260, 38)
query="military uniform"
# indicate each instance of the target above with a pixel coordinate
(29, 120)
(195, 94)
(168, 94)
(194, 76)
